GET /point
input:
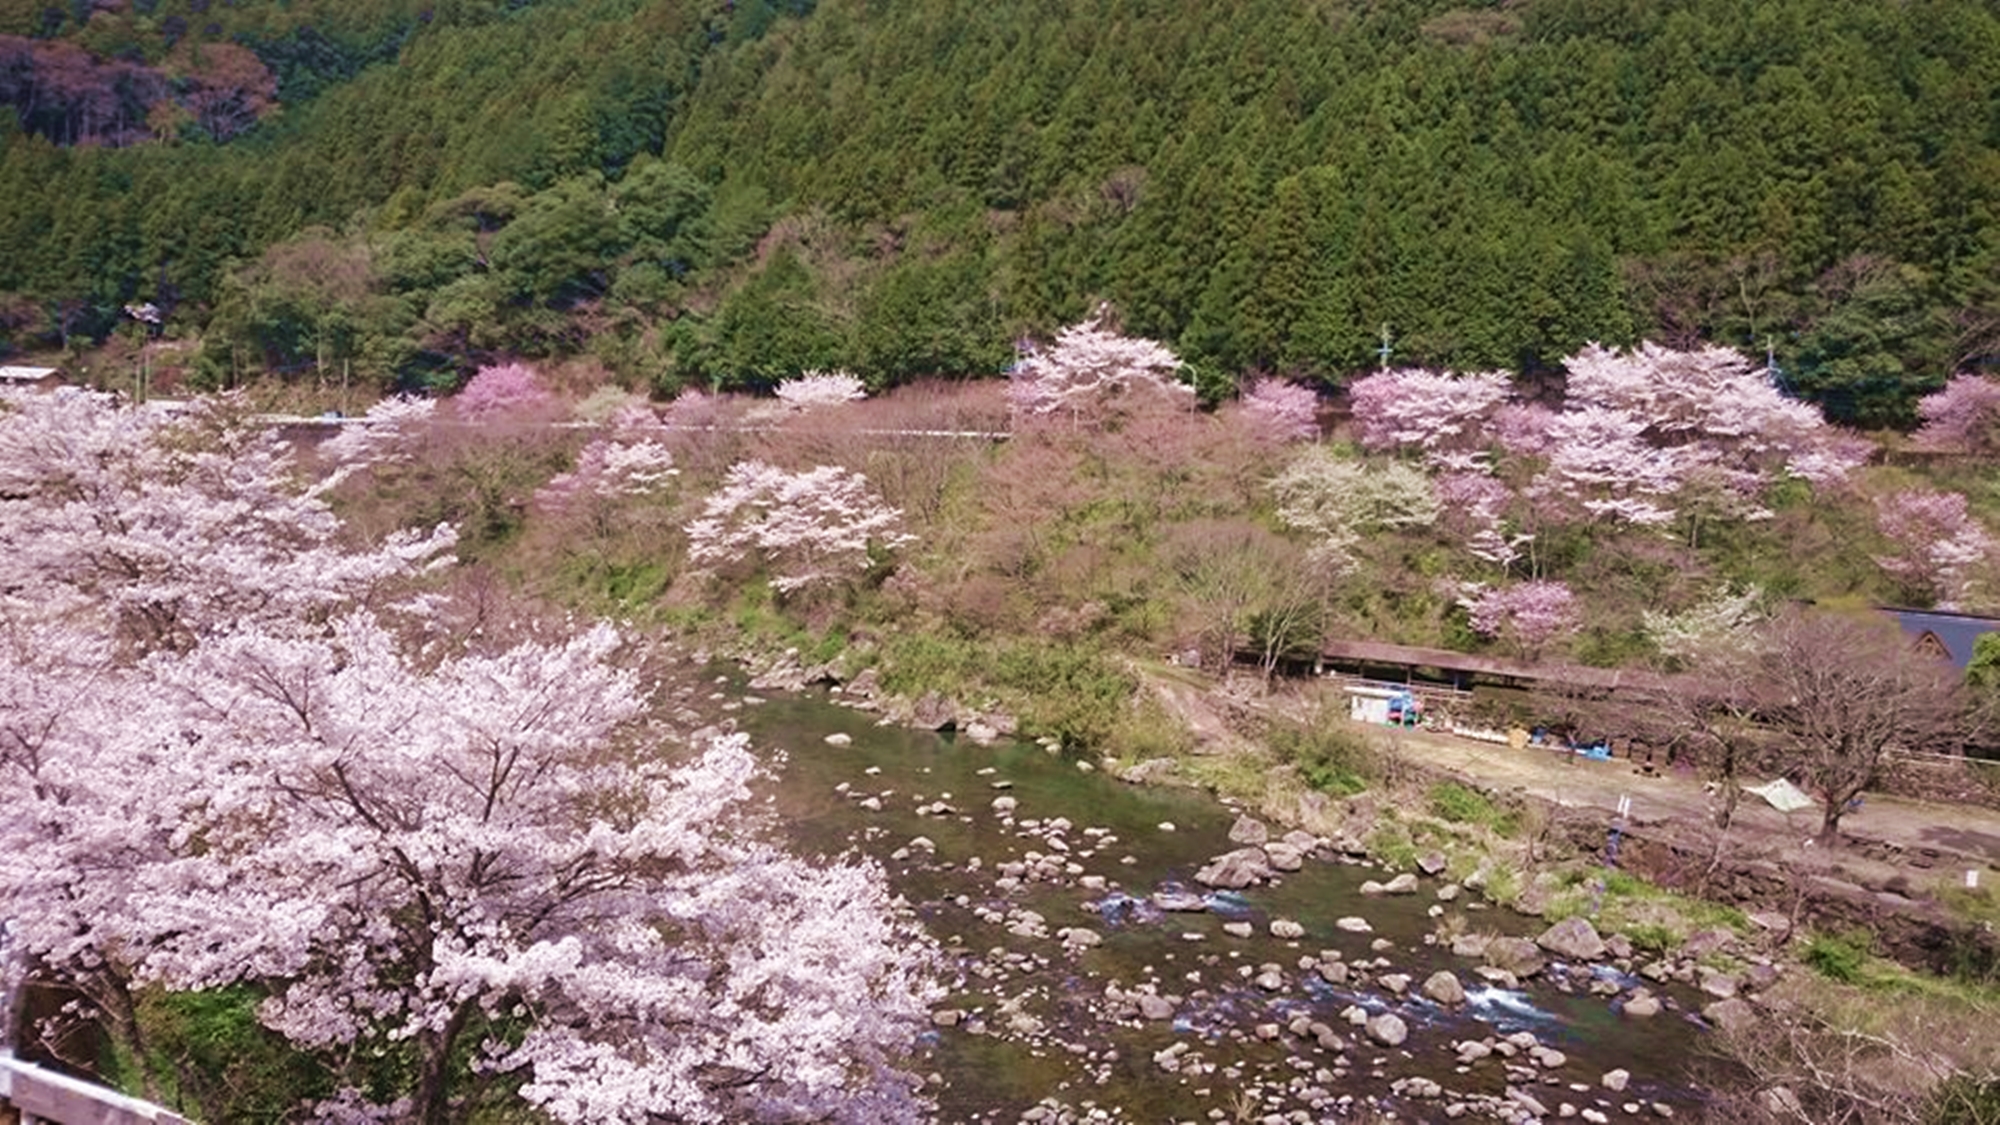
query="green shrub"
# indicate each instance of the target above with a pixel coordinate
(1843, 959)
(1459, 804)
(1330, 757)
(1650, 938)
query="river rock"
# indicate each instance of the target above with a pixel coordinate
(1079, 938)
(1248, 830)
(1730, 1015)
(1149, 772)
(1722, 986)
(1354, 925)
(1155, 1007)
(1284, 857)
(947, 1017)
(1573, 939)
(865, 685)
(1703, 942)
(1470, 946)
(1404, 884)
(1005, 805)
(1333, 972)
(1616, 1080)
(1641, 1005)
(1448, 892)
(982, 733)
(1244, 867)
(1284, 929)
(838, 738)
(1515, 955)
(1444, 988)
(1179, 902)
(1431, 863)
(1388, 1029)
(1238, 929)
(1397, 983)
(932, 711)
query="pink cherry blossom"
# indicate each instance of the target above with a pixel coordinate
(500, 390)
(1282, 411)
(1090, 370)
(1964, 416)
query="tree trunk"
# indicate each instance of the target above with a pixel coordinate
(1829, 825)
(433, 1094)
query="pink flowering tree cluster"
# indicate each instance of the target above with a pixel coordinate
(1710, 421)
(500, 391)
(1526, 615)
(1651, 437)
(631, 460)
(812, 390)
(1091, 372)
(1938, 551)
(475, 861)
(1963, 417)
(1282, 412)
(1441, 415)
(812, 528)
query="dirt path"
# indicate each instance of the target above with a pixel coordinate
(1942, 840)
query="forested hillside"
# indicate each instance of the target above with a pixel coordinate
(732, 193)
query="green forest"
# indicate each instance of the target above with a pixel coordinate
(726, 194)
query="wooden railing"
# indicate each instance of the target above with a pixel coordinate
(39, 1095)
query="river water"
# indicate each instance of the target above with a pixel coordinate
(1038, 1025)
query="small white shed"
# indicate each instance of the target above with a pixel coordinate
(1369, 704)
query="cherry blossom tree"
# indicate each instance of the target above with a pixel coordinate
(1527, 614)
(1440, 414)
(500, 390)
(174, 526)
(1522, 428)
(1090, 371)
(1720, 626)
(1716, 399)
(1600, 464)
(811, 528)
(1964, 416)
(1338, 501)
(482, 854)
(1282, 411)
(1473, 506)
(1939, 551)
(812, 390)
(387, 432)
(632, 460)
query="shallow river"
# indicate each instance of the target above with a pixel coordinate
(1036, 1024)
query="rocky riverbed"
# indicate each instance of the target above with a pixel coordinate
(1122, 953)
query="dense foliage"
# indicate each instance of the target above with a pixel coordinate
(739, 193)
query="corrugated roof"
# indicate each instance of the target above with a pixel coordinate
(1955, 632)
(24, 374)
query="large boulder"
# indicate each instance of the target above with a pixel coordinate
(1730, 1015)
(1248, 830)
(1444, 988)
(1573, 939)
(1518, 956)
(1388, 1029)
(1244, 867)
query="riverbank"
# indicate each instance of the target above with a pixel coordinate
(1782, 936)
